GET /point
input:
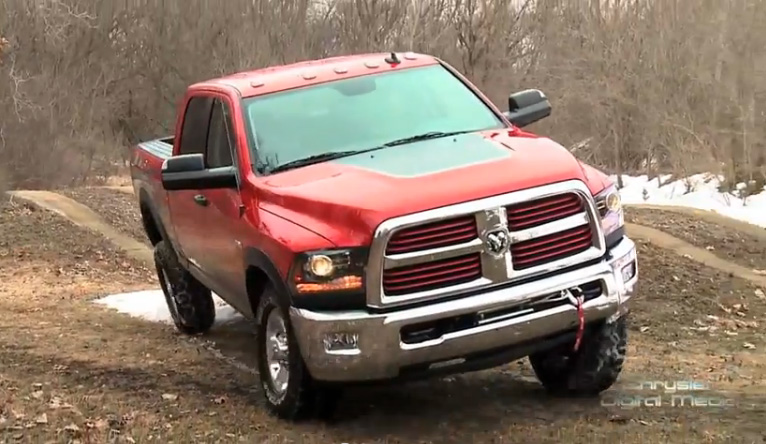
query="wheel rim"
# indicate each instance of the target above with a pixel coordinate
(277, 352)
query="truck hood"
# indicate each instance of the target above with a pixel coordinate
(344, 200)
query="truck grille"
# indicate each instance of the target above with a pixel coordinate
(431, 275)
(434, 235)
(551, 248)
(541, 211)
(446, 251)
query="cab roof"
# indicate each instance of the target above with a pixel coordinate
(311, 72)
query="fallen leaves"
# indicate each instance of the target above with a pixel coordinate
(72, 429)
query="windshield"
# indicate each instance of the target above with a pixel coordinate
(360, 113)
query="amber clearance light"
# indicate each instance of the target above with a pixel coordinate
(337, 284)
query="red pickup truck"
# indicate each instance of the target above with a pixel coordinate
(381, 220)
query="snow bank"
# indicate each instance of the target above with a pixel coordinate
(698, 191)
(150, 305)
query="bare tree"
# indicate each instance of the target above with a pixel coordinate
(654, 86)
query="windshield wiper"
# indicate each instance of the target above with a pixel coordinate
(424, 136)
(324, 157)
(317, 158)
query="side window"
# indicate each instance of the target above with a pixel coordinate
(220, 137)
(195, 126)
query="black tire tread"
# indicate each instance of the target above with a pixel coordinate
(594, 368)
(195, 301)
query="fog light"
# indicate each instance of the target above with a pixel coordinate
(628, 271)
(341, 343)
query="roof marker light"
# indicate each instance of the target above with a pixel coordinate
(410, 55)
(309, 75)
(256, 83)
(340, 70)
(371, 64)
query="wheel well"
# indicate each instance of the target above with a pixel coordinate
(256, 281)
(150, 225)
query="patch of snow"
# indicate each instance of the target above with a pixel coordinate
(150, 305)
(699, 191)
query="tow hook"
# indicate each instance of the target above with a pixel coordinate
(576, 297)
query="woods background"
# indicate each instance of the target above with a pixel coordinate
(651, 85)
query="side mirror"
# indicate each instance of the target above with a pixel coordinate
(526, 107)
(188, 172)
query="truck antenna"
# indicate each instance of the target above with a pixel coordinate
(392, 59)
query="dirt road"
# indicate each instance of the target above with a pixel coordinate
(72, 370)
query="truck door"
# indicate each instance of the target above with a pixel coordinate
(185, 205)
(219, 251)
(207, 222)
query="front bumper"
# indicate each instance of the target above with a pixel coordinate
(372, 345)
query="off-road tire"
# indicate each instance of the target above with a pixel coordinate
(590, 370)
(194, 310)
(304, 398)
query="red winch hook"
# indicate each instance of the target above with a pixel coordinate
(578, 300)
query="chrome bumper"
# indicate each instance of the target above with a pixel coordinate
(375, 350)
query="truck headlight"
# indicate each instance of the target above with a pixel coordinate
(609, 207)
(329, 270)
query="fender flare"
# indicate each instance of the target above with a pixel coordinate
(259, 260)
(145, 200)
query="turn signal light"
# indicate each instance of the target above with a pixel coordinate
(338, 284)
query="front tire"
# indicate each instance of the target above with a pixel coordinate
(592, 369)
(289, 390)
(190, 303)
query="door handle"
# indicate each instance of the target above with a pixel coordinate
(200, 200)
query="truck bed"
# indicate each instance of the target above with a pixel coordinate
(161, 148)
(145, 169)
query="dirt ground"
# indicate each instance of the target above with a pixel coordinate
(743, 248)
(117, 208)
(72, 371)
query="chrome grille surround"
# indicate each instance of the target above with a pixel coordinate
(490, 215)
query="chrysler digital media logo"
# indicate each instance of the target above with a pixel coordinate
(682, 393)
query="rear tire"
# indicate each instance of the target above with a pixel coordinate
(592, 369)
(190, 303)
(289, 390)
